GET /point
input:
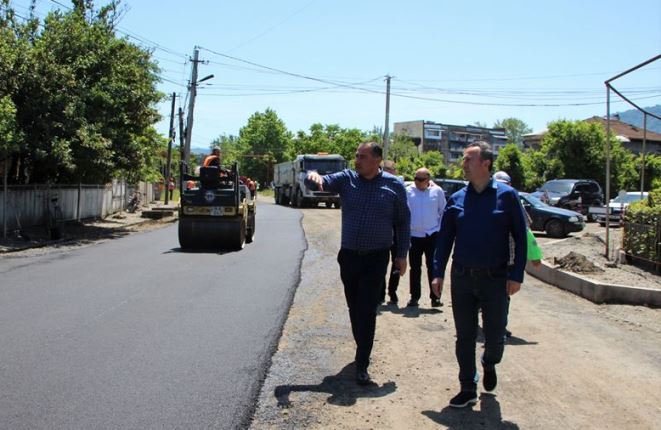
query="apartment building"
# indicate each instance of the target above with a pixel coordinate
(450, 140)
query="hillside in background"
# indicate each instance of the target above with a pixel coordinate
(635, 117)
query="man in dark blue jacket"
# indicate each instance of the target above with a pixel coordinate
(478, 220)
(373, 203)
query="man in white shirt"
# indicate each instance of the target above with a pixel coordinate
(426, 203)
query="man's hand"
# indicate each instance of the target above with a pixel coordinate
(513, 287)
(316, 178)
(401, 265)
(437, 286)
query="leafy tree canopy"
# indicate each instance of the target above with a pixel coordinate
(408, 159)
(514, 128)
(510, 160)
(264, 140)
(84, 98)
(577, 149)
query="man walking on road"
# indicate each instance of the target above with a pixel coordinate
(478, 220)
(426, 204)
(373, 203)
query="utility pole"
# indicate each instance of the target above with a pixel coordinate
(169, 159)
(182, 142)
(386, 134)
(191, 105)
(191, 102)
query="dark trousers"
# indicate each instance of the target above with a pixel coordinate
(421, 246)
(362, 275)
(393, 279)
(472, 290)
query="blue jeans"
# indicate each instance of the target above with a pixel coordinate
(473, 289)
(362, 275)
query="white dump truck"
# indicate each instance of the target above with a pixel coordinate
(288, 180)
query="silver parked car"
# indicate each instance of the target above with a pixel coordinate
(617, 206)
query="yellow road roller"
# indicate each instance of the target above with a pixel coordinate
(216, 211)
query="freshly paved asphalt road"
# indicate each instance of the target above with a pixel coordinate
(133, 333)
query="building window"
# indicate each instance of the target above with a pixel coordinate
(432, 134)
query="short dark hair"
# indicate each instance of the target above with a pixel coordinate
(485, 151)
(375, 148)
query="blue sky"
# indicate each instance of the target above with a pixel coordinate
(452, 62)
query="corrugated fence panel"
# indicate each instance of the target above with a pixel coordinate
(27, 203)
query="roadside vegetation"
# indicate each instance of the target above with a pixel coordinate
(78, 103)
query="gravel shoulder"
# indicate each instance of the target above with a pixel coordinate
(570, 363)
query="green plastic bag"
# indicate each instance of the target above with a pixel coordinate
(534, 251)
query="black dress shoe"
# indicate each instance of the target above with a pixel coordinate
(463, 399)
(363, 378)
(436, 303)
(412, 304)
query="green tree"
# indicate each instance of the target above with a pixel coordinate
(264, 140)
(455, 171)
(230, 148)
(652, 172)
(402, 147)
(9, 136)
(538, 169)
(332, 139)
(85, 99)
(510, 160)
(514, 128)
(576, 149)
(408, 159)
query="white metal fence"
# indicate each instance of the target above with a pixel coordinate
(27, 204)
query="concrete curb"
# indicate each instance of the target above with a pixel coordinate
(594, 291)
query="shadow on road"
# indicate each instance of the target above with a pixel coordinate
(511, 340)
(197, 251)
(517, 341)
(409, 311)
(488, 417)
(342, 388)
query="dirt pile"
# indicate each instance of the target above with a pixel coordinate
(577, 263)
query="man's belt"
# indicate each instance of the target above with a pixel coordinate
(479, 271)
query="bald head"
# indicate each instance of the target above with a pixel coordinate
(422, 177)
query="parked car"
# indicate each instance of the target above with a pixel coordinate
(617, 206)
(556, 222)
(574, 194)
(450, 186)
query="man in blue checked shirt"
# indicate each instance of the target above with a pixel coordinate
(478, 220)
(373, 202)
